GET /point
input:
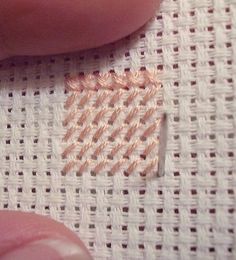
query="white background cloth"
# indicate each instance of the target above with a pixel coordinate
(187, 214)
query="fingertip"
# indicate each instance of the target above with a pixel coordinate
(24, 233)
(49, 27)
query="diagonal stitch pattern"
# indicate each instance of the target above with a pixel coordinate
(112, 123)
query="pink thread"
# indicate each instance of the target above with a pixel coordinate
(84, 133)
(131, 132)
(83, 118)
(68, 167)
(147, 116)
(70, 117)
(99, 133)
(68, 150)
(148, 132)
(114, 116)
(82, 151)
(99, 116)
(70, 101)
(133, 113)
(148, 150)
(149, 168)
(112, 81)
(99, 168)
(69, 133)
(84, 100)
(115, 168)
(94, 101)
(132, 167)
(130, 150)
(101, 99)
(130, 99)
(98, 151)
(83, 168)
(115, 133)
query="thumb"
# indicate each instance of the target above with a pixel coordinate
(30, 236)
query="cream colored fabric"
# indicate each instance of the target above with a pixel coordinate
(187, 214)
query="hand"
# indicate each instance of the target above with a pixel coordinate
(40, 27)
(27, 236)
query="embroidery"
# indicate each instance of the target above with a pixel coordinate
(113, 123)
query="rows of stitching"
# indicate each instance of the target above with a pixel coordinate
(112, 123)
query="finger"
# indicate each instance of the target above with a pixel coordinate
(36, 27)
(30, 236)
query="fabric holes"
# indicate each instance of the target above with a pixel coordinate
(113, 123)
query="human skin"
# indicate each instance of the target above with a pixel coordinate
(30, 236)
(42, 27)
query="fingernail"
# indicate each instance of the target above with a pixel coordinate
(53, 249)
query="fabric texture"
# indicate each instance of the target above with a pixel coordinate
(113, 124)
(190, 212)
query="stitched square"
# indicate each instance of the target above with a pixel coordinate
(113, 123)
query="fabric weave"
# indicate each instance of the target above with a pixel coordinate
(190, 212)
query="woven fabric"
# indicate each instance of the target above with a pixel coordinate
(113, 124)
(189, 213)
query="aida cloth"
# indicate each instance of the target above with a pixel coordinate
(190, 212)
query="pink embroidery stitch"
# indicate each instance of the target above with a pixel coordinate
(112, 123)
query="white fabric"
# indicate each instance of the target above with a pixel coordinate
(187, 214)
